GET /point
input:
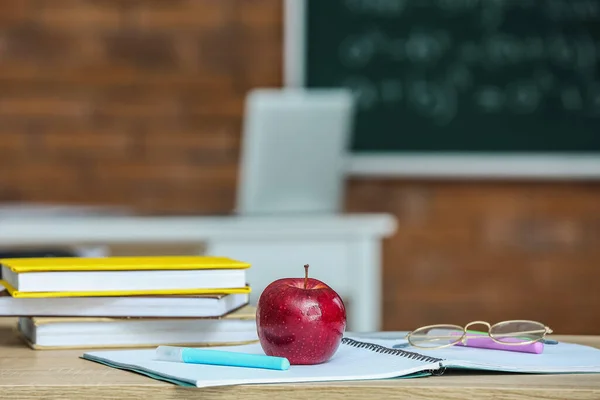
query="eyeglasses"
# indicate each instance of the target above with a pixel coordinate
(514, 333)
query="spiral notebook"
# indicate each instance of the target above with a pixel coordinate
(358, 359)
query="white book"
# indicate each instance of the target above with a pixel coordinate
(81, 332)
(358, 359)
(125, 306)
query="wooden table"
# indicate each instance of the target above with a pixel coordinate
(28, 374)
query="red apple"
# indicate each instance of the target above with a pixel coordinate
(301, 319)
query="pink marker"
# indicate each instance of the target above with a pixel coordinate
(485, 342)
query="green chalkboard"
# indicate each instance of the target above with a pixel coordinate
(468, 76)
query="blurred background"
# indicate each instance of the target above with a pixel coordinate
(140, 105)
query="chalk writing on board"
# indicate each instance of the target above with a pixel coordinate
(491, 10)
(377, 7)
(550, 64)
(462, 75)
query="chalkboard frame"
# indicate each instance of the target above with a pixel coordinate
(433, 165)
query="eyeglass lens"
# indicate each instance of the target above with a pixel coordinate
(436, 336)
(518, 331)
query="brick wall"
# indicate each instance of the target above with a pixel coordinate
(139, 102)
(135, 102)
(489, 250)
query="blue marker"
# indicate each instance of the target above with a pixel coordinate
(218, 357)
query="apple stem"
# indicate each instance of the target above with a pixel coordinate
(305, 275)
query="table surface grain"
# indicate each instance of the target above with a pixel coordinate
(61, 374)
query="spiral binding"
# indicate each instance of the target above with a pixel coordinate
(386, 350)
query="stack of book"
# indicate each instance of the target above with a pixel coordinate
(74, 302)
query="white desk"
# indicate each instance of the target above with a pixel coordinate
(343, 250)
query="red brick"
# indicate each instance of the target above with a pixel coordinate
(31, 43)
(87, 193)
(78, 15)
(216, 52)
(13, 143)
(143, 50)
(534, 235)
(15, 71)
(213, 143)
(263, 44)
(185, 48)
(87, 144)
(14, 12)
(43, 105)
(180, 15)
(138, 105)
(148, 196)
(222, 105)
(34, 175)
(260, 12)
(172, 174)
(107, 76)
(185, 199)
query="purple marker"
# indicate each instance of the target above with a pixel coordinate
(485, 342)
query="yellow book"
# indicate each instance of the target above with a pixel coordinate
(129, 263)
(123, 276)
